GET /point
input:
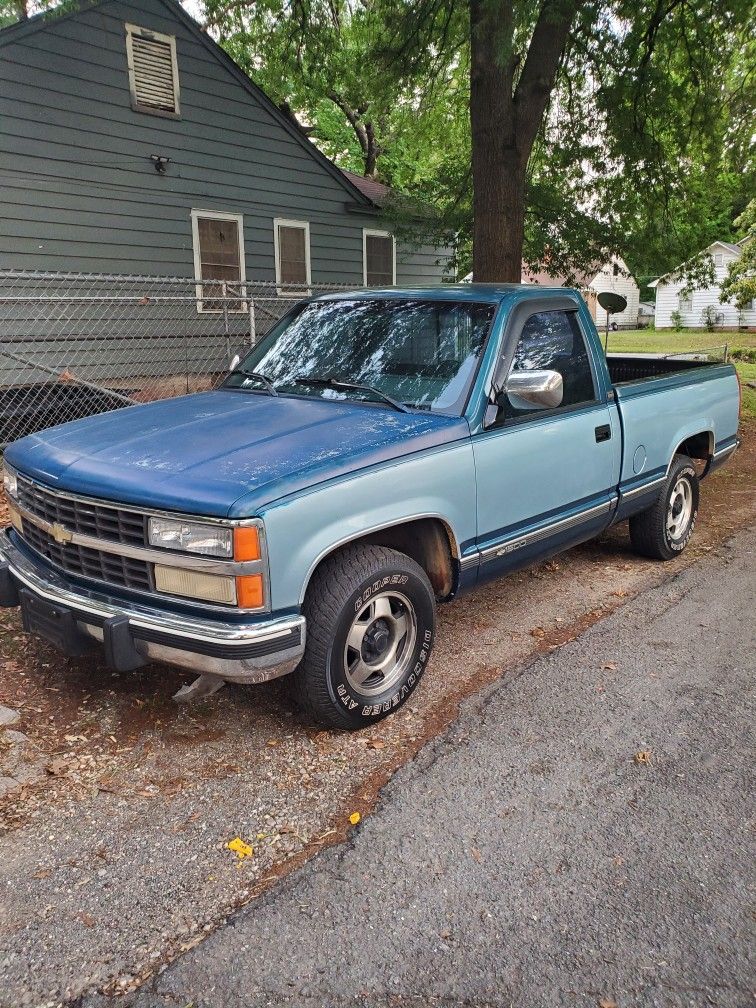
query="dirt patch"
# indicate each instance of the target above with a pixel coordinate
(149, 793)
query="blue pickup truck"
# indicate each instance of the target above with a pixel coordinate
(376, 453)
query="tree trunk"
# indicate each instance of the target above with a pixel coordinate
(504, 123)
(371, 151)
(498, 183)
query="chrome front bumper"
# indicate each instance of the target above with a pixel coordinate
(133, 633)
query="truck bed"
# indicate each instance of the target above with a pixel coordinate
(636, 367)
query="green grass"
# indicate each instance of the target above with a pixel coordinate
(669, 341)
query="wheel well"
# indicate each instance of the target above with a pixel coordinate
(430, 543)
(697, 446)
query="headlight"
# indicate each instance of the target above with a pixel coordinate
(191, 537)
(10, 482)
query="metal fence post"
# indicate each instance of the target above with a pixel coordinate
(224, 290)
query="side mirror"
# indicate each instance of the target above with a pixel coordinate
(235, 362)
(526, 389)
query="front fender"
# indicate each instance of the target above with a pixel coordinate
(304, 528)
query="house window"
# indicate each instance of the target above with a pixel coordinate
(718, 259)
(218, 240)
(153, 71)
(291, 240)
(615, 269)
(685, 302)
(378, 258)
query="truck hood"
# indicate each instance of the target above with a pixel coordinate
(224, 453)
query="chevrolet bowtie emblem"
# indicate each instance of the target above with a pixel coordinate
(61, 534)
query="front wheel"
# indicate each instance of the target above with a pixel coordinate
(664, 530)
(370, 626)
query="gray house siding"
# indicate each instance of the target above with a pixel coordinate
(79, 192)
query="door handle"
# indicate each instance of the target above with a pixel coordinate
(603, 433)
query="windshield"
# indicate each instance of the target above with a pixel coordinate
(422, 354)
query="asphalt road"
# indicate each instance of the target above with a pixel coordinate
(581, 836)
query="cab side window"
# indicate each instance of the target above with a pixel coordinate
(553, 341)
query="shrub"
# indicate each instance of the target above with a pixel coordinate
(709, 317)
(677, 320)
(745, 355)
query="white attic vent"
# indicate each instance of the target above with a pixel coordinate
(153, 71)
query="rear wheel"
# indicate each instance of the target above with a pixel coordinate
(370, 625)
(664, 530)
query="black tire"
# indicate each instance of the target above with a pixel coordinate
(650, 533)
(347, 588)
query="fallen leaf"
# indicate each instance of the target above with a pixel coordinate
(538, 632)
(376, 743)
(607, 1003)
(610, 665)
(58, 767)
(239, 847)
(42, 873)
(643, 757)
(477, 856)
(87, 919)
(354, 818)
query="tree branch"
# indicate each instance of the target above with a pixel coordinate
(536, 82)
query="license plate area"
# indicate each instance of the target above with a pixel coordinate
(54, 623)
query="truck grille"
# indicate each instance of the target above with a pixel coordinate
(99, 520)
(118, 570)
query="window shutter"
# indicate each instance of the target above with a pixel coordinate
(293, 255)
(379, 260)
(292, 252)
(153, 72)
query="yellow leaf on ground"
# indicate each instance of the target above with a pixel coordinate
(238, 846)
(354, 818)
(643, 757)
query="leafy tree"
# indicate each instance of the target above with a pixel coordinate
(557, 130)
(740, 283)
(316, 59)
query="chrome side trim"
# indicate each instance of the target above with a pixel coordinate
(726, 451)
(519, 541)
(168, 558)
(644, 488)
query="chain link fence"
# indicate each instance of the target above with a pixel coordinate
(74, 344)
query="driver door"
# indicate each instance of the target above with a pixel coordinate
(546, 475)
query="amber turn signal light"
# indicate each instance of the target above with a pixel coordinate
(249, 591)
(246, 543)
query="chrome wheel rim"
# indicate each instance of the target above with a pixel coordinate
(380, 644)
(680, 509)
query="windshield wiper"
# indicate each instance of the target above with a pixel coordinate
(269, 386)
(335, 383)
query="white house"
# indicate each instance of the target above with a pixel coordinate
(671, 296)
(613, 276)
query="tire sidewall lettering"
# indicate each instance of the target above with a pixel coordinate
(394, 579)
(678, 545)
(356, 705)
